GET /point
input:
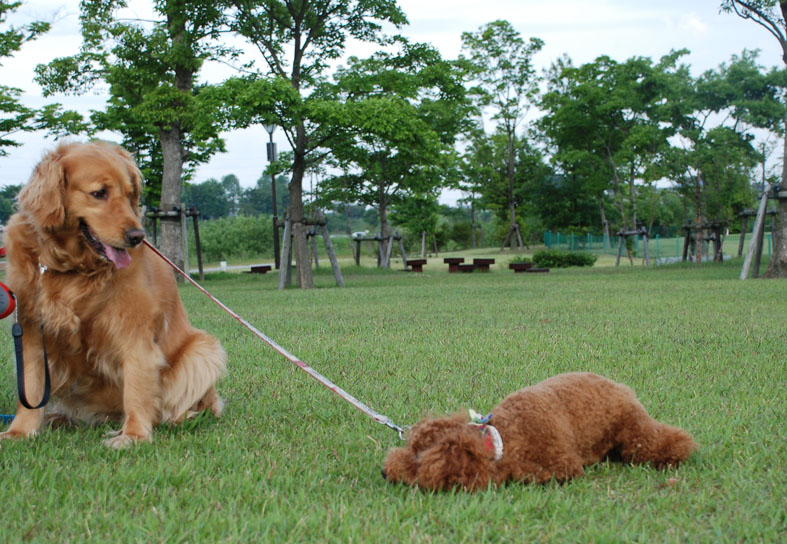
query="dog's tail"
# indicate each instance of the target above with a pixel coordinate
(671, 446)
(189, 382)
(646, 440)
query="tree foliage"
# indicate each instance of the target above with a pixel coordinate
(394, 119)
(15, 117)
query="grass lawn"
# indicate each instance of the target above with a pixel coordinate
(292, 462)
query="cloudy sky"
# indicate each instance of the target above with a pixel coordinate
(582, 29)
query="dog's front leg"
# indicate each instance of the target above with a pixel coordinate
(141, 396)
(27, 421)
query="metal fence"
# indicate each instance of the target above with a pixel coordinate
(660, 247)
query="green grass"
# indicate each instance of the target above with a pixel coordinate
(292, 462)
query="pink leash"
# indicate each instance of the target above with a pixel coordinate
(379, 418)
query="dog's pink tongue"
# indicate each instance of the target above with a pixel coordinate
(120, 257)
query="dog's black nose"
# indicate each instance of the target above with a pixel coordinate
(134, 237)
(385, 476)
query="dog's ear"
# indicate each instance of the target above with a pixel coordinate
(400, 466)
(134, 173)
(44, 194)
(428, 431)
(458, 459)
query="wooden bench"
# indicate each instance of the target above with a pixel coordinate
(483, 264)
(453, 263)
(466, 268)
(260, 268)
(520, 267)
(416, 265)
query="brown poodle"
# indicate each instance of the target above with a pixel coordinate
(547, 431)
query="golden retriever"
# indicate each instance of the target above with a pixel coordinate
(104, 307)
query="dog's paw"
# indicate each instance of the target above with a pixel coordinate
(119, 440)
(217, 407)
(15, 435)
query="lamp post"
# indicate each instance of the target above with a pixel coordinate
(271, 148)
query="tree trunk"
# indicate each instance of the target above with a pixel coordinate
(171, 185)
(384, 230)
(472, 222)
(777, 268)
(698, 218)
(512, 224)
(633, 196)
(604, 221)
(296, 215)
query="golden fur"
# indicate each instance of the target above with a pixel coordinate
(550, 430)
(119, 343)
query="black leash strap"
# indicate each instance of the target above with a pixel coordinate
(16, 332)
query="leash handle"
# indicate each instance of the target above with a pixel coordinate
(16, 332)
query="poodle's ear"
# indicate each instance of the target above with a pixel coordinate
(44, 195)
(400, 466)
(458, 459)
(427, 432)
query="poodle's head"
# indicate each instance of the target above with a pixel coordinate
(441, 454)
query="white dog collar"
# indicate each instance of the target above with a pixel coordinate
(489, 434)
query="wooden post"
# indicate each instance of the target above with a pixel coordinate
(756, 235)
(686, 242)
(743, 233)
(758, 251)
(184, 236)
(286, 252)
(358, 252)
(314, 247)
(388, 251)
(646, 239)
(337, 272)
(194, 216)
(401, 250)
(620, 248)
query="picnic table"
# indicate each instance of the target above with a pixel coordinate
(417, 265)
(483, 264)
(453, 263)
(520, 267)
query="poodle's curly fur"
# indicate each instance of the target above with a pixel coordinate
(550, 430)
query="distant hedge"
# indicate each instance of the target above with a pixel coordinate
(556, 258)
(233, 238)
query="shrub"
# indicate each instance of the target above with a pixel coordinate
(520, 259)
(555, 258)
(234, 238)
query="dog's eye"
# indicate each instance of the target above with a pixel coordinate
(99, 195)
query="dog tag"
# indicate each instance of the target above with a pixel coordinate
(7, 301)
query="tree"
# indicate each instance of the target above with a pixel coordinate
(313, 34)
(507, 82)
(394, 119)
(711, 162)
(209, 197)
(772, 16)
(609, 125)
(15, 117)
(7, 198)
(166, 117)
(259, 199)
